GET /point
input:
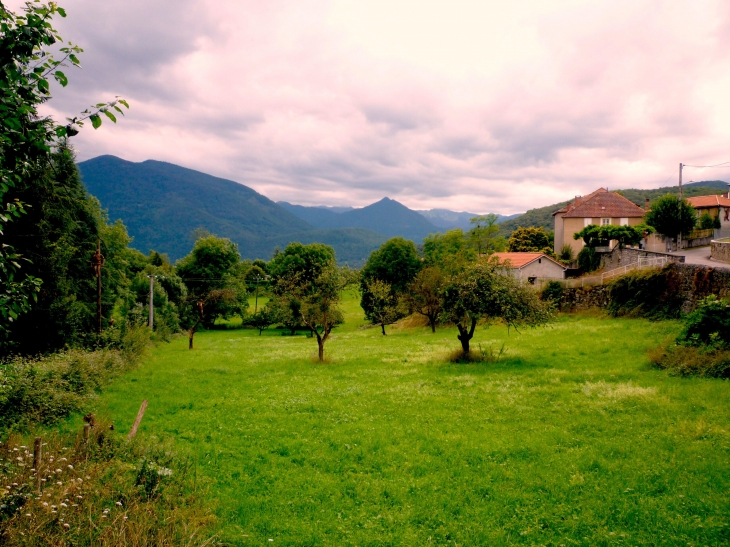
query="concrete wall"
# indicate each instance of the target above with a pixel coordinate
(545, 268)
(720, 250)
(559, 239)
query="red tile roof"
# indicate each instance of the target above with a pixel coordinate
(601, 203)
(709, 201)
(518, 260)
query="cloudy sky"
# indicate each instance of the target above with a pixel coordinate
(484, 106)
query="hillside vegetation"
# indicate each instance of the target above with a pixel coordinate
(162, 204)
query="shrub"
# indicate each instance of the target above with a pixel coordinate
(566, 254)
(692, 361)
(705, 222)
(481, 355)
(652, 293)
(588, 259)
(708, 325)
(553, 292)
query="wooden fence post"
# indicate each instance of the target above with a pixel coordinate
(140, 414)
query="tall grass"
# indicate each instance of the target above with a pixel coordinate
(102, 491)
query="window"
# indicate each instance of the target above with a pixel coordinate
(539, 260)
(587, 221)
(605, 221)
(624, 221)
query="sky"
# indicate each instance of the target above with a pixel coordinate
(483, 106)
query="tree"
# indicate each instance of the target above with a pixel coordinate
(483, 292)
(705, 222)
(26, 136)
(529, 240)
(425, 294)
(449, 251)
(595, 236)
(194, 306)
(265, 317)
(395, 263)
(383, 303)
(213, 276)
(671, 217)
(484, 235)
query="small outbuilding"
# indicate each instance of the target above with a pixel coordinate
(531, 266)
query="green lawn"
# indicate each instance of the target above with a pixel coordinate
(571, 440)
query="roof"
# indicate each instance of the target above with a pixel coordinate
(601, 203)
(710, 201)
(520, 260)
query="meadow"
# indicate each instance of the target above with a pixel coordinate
(570, 439)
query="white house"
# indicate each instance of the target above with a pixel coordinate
(531, 266)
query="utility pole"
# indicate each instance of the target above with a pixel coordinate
(679, 237)
(97, 262)
(152, 299)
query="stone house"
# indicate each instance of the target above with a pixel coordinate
(531, 266)
(600, 208)
(718, 205)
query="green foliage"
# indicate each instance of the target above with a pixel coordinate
(681, 360)
(449, 251)
(425, 294)
(484, 234)
(651, 293)
(383, 303)
(706, 221)
(306, 262)
(553, 292)
(215, 283)
(566, 255)
(716, 224)
(588, 259)
(46, 390)
(483, 292)
(594, 236)
(670, 217)
(530, 240)
(708, 325)
(395, 263)
(264, 317)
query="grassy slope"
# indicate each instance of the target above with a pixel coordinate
(572, 440)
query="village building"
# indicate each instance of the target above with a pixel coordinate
(531, 266)
(600, 208)
(716, 206)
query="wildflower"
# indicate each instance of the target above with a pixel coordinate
(119, 503)
(53, 506)
(27, 514)
(103, 516)
(66, 525)
(125, 517)
(79, 497)
(70, 466)
(58, 470)
(63, 505)
(19, 458)
(45, 504)
(59, 483)
(15, 484)
(54, 511)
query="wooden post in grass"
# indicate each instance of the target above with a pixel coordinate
(140, 414)
(37, 455)
(87, 428)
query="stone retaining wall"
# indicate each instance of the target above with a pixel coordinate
(720, 250)
(694, 283)
(630, 255)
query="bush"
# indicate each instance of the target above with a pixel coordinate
(553, 292)
(566, 254)
(45, 390)
(705, 222)
(708, 325)
(588, 259)
(650, 293)
(692, 361)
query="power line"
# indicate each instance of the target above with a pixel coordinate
(706, 166)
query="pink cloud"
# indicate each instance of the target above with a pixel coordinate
(340, 103)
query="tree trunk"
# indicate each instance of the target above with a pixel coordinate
(432, 322)
(191, 333)
(382, 326)
(465, 336)
(320, 343)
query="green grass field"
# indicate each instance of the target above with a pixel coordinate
(572, 439)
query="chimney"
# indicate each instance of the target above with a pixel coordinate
(728, 190)
(646, 208)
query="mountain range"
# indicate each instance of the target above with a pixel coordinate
(163, 204)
